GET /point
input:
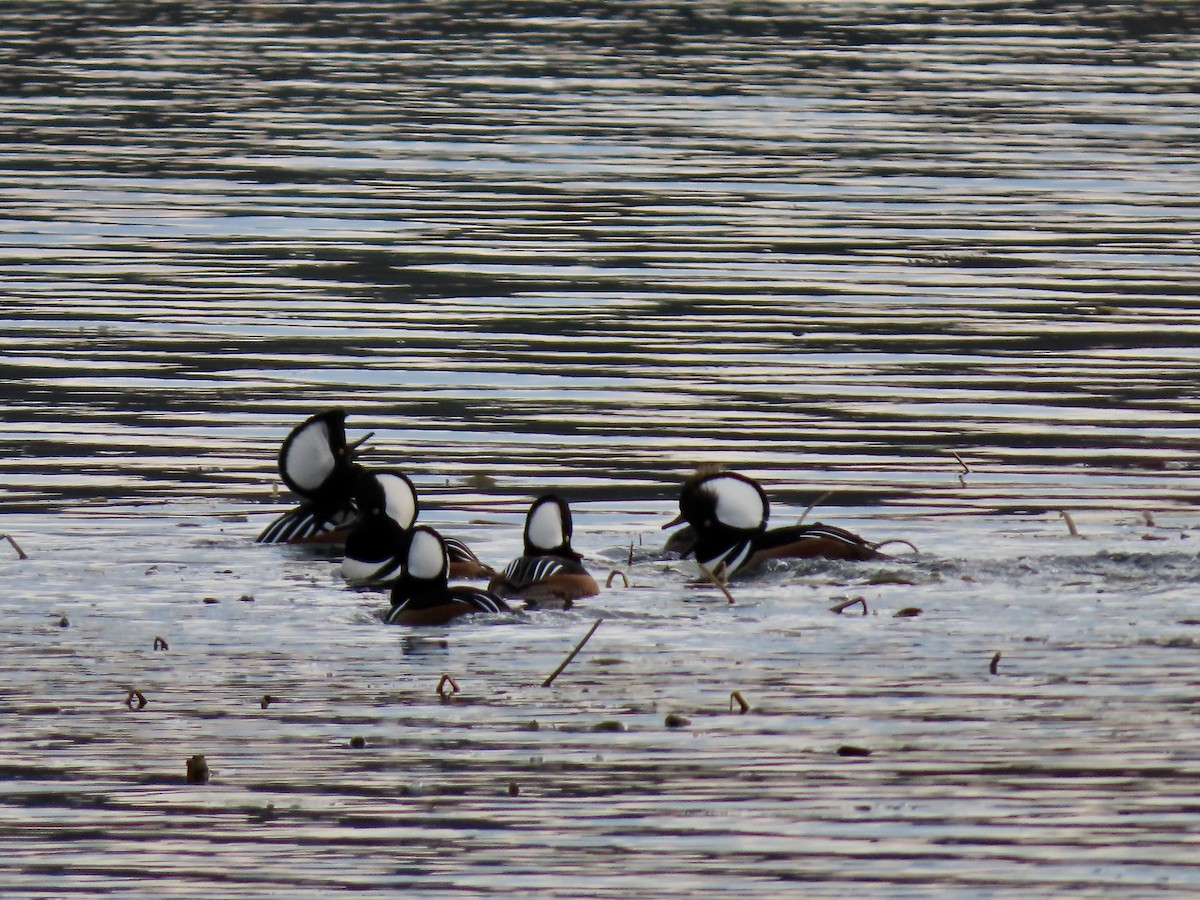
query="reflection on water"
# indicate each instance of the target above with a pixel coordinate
(830, 244)
(545, 245)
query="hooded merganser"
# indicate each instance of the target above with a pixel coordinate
(728, 513)
(318, 465)
(549, 569)
(423, 596)
(378, 543)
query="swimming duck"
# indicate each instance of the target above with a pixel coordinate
(423, 596)
(378, 543)
(318, 465)
(728, 513)
(549, 569)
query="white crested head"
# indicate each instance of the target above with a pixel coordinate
(737, 502)
(426, 555)
(400, 500)
(308, 459)
(544, 526)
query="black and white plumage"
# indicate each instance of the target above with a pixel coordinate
(317, 464)
(423, 596)
(549, 569)
(728, 513)
(377, 545)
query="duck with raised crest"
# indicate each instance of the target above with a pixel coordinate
(378, 544)
(549, 569)
(728, 514)
(423, 595)
(318, 465)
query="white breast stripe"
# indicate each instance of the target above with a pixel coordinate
(484, 602)
(360, 570)
(526, 570)
(831, 534)
(459, 552)
(732, 559)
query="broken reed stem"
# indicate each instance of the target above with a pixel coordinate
(966, 470)
(909, 544)
(570, 656)
(995, 663)
(1070, 522)
(613, 574)
(446, 679)
(21, 554)
(846, 604)
(736, 696)
(630, 563)
(821, 498)
(711, 576)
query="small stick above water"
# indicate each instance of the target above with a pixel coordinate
(613, 574)
(1070, 523)
(21, 554)
(820, 498)
(846, 604)
(446, 679)
(994, 666)
(711, 576)
(570, 656)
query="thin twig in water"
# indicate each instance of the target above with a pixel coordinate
(909, 544)
(711, 576)
(20, 553)
(1070, 522)
(446, 680)
(736, 696)
(966, 470)
(630, 563)
(613, 574)
(821, 498)
(846, 604)
(570, 656)
(995, 663)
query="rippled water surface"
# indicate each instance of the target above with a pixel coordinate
(586, 247)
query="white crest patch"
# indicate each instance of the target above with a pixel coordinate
(426, 555)
(400, 502)
(739, 504)
(545, 526)
(309, 460)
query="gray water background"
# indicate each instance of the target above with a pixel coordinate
(584, 248)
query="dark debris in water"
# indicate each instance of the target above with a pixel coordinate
(851, 750)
